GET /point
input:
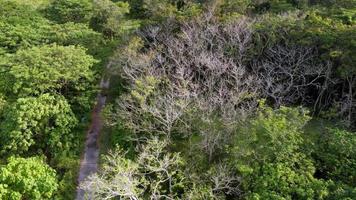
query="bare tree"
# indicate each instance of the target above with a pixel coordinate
(118, 178)
(206, 68)
(153, 174)
(345, 103)
(350, 102)
(160, 169)
(154, 111)
(203, 67)
(288, 72)
(224, 180)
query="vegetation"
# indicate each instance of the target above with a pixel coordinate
(51, 56)
(209, 99)
(27, 178)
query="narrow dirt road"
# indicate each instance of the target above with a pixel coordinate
(89, 162)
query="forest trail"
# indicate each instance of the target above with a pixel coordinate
(89, 162)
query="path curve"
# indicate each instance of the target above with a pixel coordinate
(89, 162)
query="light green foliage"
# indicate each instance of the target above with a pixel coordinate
(336, 3)
(50, 68)
(143, 97)
(45, 82)
(281, 6)
(118, 175)
(79, 11)
(43, 123)
(144, 89)
(166, 168)
(330, 30)
(21, 26)
(280, 182)
(27, 178)
(273, 136)
(38, 4)
(136, 9)
(67, 165)
(271, 30)
(75, 34)
(230, 7)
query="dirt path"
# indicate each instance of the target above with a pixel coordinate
(89, 162)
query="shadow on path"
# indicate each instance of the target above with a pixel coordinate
(89, 162)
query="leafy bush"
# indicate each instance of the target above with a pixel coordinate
(27, 178)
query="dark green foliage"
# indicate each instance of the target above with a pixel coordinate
(341, 191)
(334, 37)
(110, 19)
(335, 155)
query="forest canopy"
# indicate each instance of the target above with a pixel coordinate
(205, 99)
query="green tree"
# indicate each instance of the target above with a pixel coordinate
(76, 34)
(280, 182)
(233, 7)
(66, 70)
(335, 155)
(50, 68)
(79, 11)
(27, 178)
(161, 10)
(269, 155)
(43, 123)
(21, 26)
(110, 18)
(273, 136)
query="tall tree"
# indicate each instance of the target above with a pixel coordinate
(50, 68)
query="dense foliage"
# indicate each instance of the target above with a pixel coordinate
(51, 55)
(209, 99)
(27, 178)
